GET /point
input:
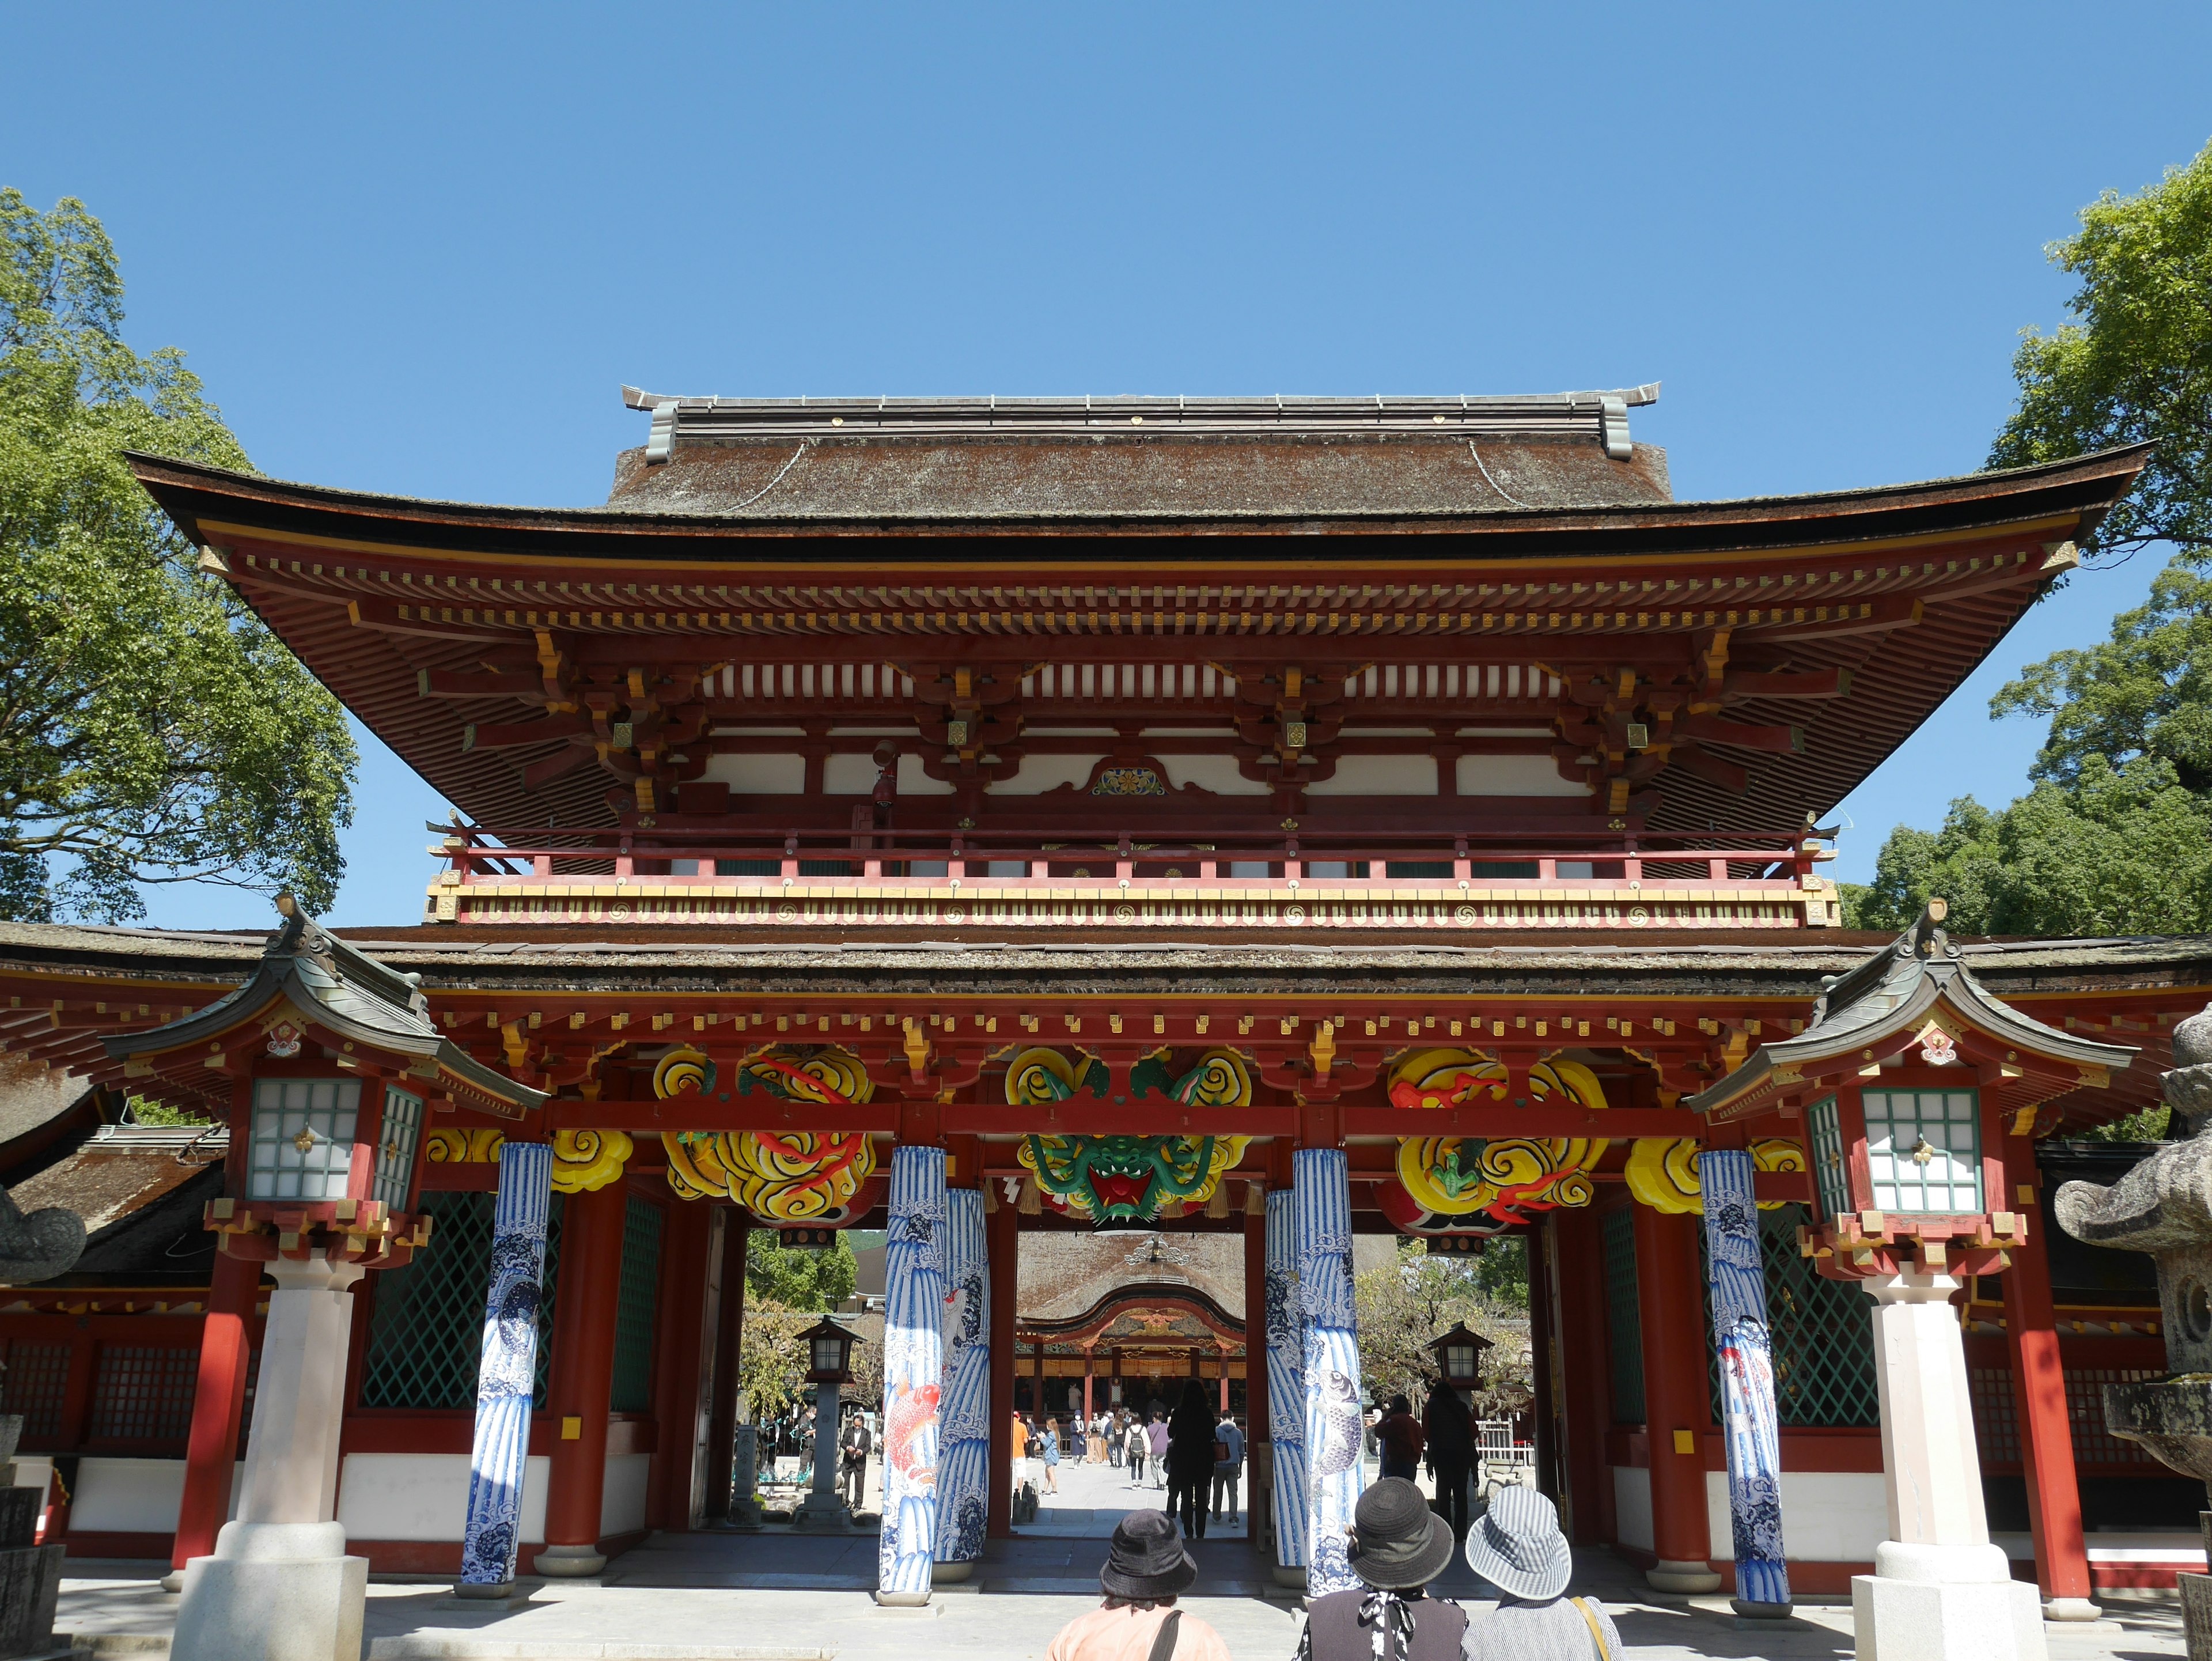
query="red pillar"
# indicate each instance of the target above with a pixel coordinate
(2039, 1380)
(582, 1380)
(1222, 1356)
(682, 1381)
(1089, 1366)
(729, 1339)
(211, 1452)
(1543, 1426)
(1677, 1398)
(1002, 1232)
(1578, 1237)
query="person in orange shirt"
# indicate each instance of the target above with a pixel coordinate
(1147, 1568)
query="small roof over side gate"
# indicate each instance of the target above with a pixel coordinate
(1916, 992)
(311, 986)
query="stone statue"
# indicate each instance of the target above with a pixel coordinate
(39, 1246)
(2164, 1207)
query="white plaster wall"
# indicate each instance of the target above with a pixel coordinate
(1038, 774)
(1631, 1506)
(1218, 774)
(848, 776)
(913, 781)
(126, 1496)
(1379, 775)
(1828, 1516)
(1514, 776)
(622, 1501)
(424, 1496)
(767, 775)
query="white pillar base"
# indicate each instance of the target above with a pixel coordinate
(1684, 1579)
(1945, 1603)
(2071, 1608)
(821, 1513)
(273, 1592)
(567, 1562)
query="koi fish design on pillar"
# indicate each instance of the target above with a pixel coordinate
(914, 1371)
(1738, 1276)
(964, 1425)
(506, 1374)
(1322, 1195)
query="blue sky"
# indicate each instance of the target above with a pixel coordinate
(419, 250)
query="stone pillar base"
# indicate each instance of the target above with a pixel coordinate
(1685, 1580)
(273, 1592)
(821, 1513)
(568, 1562)
(2071, 1608)
(950, 1574)
(900, 1600)
(1945, 1603)
(1291, 1574)
(746, 1513)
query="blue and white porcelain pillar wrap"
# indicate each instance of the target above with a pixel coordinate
(1738, 1291)
(508, 1373)
(914, 1371)
(1286, 1381)
(1335, 1423)
(963, 1426)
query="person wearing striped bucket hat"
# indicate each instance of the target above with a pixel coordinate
(1514, 1542)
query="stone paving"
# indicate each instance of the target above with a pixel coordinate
(777, 1594)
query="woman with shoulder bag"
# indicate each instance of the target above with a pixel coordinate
(1513, 1542)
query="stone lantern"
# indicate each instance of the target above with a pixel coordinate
(1459, 1357)
(829, 1354)
(332, 1065)
(2164, 1207)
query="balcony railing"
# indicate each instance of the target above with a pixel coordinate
(1107, 877)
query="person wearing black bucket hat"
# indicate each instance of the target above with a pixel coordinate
(1398, 1545)
(1146, 1569)
(1514, 1542)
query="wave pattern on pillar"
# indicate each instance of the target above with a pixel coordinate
(1747, 1369)
(963, 1425)
(913, 1370)
(1334, 1421)
(1287, 1386)
(508, 1373)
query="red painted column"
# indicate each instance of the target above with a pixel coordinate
(682, 1388)
(582, 1380)
(1089, 1368)
(211, 1450)
(1002, 1245)
(729, 1338)
(1223, 1357)
(2039, 1380)
(1578, 1237)
(1677, 1398)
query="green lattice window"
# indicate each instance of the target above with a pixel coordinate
(1823, 1121)
(1624, 1326)
(634, 1309)
(426, 1331)
(1822, 1332)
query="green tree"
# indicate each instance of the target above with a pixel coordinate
(152, 730)
(2137, 363)
(794, 1278)
(1408, 1302)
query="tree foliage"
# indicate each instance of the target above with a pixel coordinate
(771, 1362)
(1412, 1301)
(151, 728)
(792, 1278)
(2136, 364)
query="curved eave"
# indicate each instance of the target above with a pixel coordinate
(212, 503)
(1932, 986)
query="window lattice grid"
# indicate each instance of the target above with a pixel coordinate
(426, 1329)
(2093, 1441)
(1997, 1415)
(634, 1309)
(1924, 1150)
(1824, 1124)
(143, 1393)
(1822, 1333)
(395, 1153)
(37, 1386)
(1623, 1325)
(302, 1138)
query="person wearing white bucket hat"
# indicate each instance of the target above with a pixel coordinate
(1514, 1542)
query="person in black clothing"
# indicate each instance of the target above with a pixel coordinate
(1450, 1453)
(1398, 1545)
(1190, 1460)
